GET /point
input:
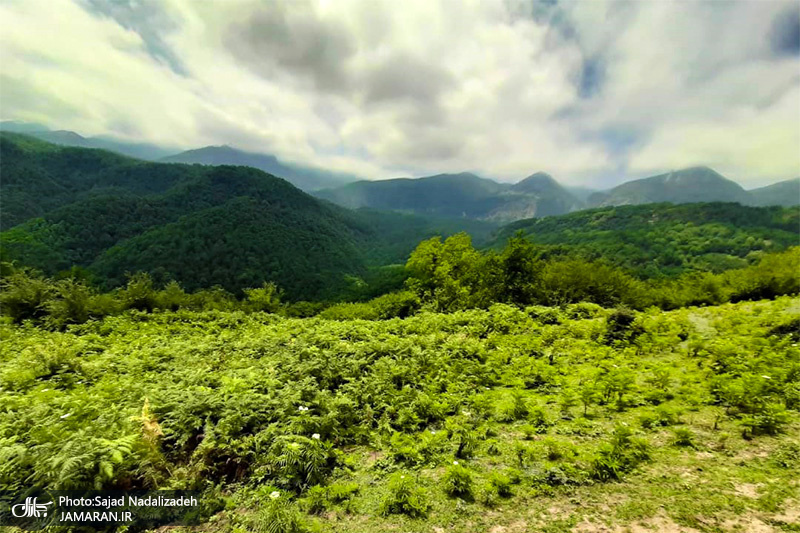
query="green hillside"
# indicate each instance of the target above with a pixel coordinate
(235, 227)
(665, 239)
(302, 177)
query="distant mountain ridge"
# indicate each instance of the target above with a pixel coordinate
(696, 184)
(469, 196)
(302, 177)
(146, 151)
(463, 195)
(785, 193)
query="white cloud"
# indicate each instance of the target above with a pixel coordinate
(383, 90)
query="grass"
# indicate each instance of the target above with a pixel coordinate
(385, 399)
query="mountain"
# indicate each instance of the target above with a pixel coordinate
(551, 197)
(145, 151)
(656, 240)
(305, 178)
(204, 226)
(462, 195)
(784, 193)
(696, 184)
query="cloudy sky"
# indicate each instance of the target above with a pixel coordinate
(593, 91)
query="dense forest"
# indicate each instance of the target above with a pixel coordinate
(658, 240)
(99, 216)
(233, 227)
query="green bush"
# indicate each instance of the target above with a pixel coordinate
(458, 481)
(279, 515)
(501, 483)
(621, 454)
(683, 436)
(23, 296)
(404, 497)
(768, 419)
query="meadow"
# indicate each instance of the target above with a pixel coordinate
(504, 419)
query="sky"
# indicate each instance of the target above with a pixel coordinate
(593, 92)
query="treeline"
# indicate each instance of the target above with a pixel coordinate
(451, 274)
(443, 276)
(666, 240)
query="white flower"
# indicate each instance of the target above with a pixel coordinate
(402, 477)
(45, 390)
(315, 436)
(433, 432)
(274, 494)
(65, 416)
(766, 377)
(455, 463)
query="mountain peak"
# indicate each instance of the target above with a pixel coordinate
(693, 184)
(539, 182)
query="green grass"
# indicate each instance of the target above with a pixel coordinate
(212, 400)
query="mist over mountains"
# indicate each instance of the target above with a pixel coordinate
(540, 195)
(459, 195)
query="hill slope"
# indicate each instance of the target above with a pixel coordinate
(459, 195)
(305, 178)
(235, 227)
(665, 239)
(696, 184)
(784, 193)
(70, 138)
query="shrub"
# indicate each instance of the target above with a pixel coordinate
(297, 462)
(492, 447)
(487, 495)
(396, 305)
(23, 296)
(787, 456)
(265, 298)
(458, 481)
(621, 326)
(139, 293)
(513, 408)
(768, 419)
(538, 419)
(404, 497)
(279, 515)
(660, 416)
(528, 431)
(683, 437)
(501, 483)
(339, 492)
(316, 500)
(622, 453)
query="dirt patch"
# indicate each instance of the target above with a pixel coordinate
(748, 490)
(748, 524)
(656, 524)
(790, 514)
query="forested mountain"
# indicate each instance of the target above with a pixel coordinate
(70, 138)
(238, 227)
(235, 227)
(665, 239)
(302, 177)
(696, 184)
(459, 195)
(782, 193)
